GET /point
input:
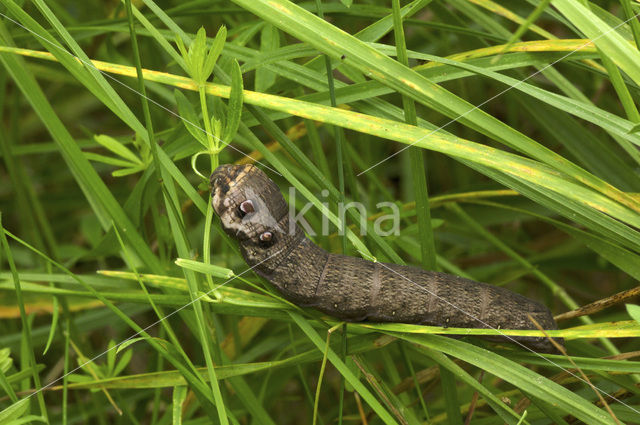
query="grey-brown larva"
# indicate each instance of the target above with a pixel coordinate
(253, 211)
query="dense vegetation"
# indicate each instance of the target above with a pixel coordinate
(123, 302)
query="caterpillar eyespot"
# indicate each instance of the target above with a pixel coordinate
(355, 289)
(266, 237)
(247, 207)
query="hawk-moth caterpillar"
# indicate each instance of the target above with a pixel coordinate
(253, 211)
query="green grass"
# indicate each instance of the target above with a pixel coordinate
(120, 292)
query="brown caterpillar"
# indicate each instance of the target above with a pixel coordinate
(253, 211)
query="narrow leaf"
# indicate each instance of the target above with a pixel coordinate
(269, 41)
(189, 117)
(211, 269)
(214, 52)
(91, 156)
(116, 147)
(234, 112)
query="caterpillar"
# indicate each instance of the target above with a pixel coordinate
(253, 211)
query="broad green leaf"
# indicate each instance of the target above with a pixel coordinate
(634, 312)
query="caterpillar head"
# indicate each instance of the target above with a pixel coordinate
(251, 210)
